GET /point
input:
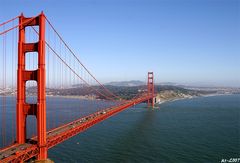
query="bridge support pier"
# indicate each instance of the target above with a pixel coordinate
(150, 85)
(23, 108)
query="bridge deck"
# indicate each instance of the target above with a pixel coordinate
(23, 152)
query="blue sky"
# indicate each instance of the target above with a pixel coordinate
(193, 42)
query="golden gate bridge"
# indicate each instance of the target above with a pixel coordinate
(37, 63)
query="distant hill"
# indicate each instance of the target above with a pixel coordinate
(131, 83)
(166, 83)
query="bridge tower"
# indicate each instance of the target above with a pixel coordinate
(150, 89)
(23, 108)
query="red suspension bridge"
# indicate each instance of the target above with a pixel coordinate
(47, 67)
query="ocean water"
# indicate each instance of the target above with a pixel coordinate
(59, 111)
(204, 129)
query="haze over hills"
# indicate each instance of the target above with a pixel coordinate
(133, 83)
(130, 83)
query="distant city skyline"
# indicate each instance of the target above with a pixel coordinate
(192, 42)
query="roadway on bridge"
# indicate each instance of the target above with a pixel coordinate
(28, 150)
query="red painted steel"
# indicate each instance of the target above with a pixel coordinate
(150, 89)
(62, 133)
(23, 108)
